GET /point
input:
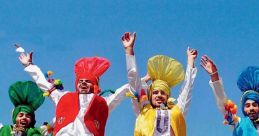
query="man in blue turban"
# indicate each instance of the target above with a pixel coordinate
(248, 83)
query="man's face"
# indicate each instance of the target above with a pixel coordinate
(251, 109)
(158, 97)
(23, 120)
(84, 86)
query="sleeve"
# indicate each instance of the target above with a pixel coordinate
(135, 84)
(116, 98)
(184, 99)
(218, 90)
(1, 125)
(134, 80)
(135, 104)
(35, 72)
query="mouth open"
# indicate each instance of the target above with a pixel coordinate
(23, 123)
(84, 87)
(252, 114)
(159, 101)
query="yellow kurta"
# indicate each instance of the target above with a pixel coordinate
(146, 122)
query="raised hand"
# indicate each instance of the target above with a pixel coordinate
(19, 48)
(191, 56)
(210, 67)
(26, 58)
(128, 41)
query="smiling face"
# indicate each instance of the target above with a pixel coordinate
(251, 109)
(84, 86)
(23, 120)
(158, 97)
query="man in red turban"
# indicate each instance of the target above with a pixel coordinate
(83, 112)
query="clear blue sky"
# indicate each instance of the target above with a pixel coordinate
(60, 32)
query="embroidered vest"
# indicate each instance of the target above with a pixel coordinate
(94, 119)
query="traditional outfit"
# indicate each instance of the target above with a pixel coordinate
(81, 114)
(165, 73)
(248, 83)
(27, 98)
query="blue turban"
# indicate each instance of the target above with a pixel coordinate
(248, 83)
(249, 95)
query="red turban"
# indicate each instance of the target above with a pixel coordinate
(91, 68)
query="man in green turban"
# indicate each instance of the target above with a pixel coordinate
(27, 98)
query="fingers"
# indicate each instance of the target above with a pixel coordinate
(204, 62)
(123, 38)
(134, 35)
(192, 51)
(30, 56)
(127, 36)
(207, 59)
(203, 65)
(22, 55)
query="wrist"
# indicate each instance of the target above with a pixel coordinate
(214, 76)
(213, 73)
(129, 51)
(191, 63)
(27, 64)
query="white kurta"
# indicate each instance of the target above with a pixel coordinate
(77, 127)
(183, 101)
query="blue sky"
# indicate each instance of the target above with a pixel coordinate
(59, 33)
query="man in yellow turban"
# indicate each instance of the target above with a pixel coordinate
(157, 113)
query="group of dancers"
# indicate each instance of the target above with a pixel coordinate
(84, 112)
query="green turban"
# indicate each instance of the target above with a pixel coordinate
(27, 98)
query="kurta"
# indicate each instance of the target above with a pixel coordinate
(148, 123)
(77, 127)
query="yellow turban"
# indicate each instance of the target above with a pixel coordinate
(165, 72)
(160, 85)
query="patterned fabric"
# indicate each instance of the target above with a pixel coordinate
(147, 120)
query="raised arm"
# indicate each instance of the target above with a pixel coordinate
(215, 82)
(184, 99)
(35, 72)
(128, 41)
(134, 80)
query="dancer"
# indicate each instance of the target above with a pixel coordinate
(82, 112)
(248, 83)
(27, 98)
(157, 113)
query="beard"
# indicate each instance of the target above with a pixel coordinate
(252, 115)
